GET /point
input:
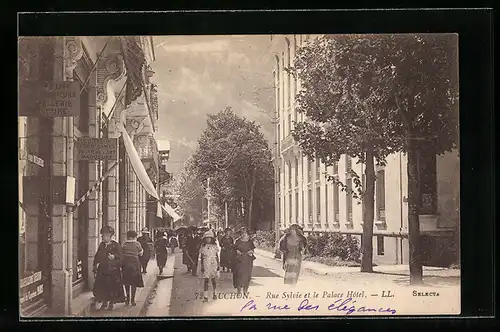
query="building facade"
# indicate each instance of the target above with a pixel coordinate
(64, 199)
(304, 195)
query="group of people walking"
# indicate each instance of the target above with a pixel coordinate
(118, 269)
(217, 253)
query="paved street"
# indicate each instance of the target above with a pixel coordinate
(269, 296)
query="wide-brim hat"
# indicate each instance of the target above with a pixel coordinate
(208, 234)
(145, 230)
(107, 230)
(297, 227)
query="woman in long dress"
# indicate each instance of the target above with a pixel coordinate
(107, 268)
(292, 244)
(161, 246)
(131, 266)
(226, 244)
(209, 253)
(243, 261)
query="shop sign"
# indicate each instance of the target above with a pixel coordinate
(60, 99)
(90, 148)
(31, 158)
(35, 277)
(79, 269)
(31, 294)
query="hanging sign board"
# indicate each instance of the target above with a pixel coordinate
(49, 99)
(30, 157)
(60, 99)
(90, 148)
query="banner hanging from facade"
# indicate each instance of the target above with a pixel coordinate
(171, 212)
(139, 168)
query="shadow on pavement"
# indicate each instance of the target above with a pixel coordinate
(262, 272)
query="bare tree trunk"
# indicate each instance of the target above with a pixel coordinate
(413, 213)
(250, 203)
(368, 215)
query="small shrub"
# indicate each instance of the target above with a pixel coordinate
(333, 245)
(326, 246)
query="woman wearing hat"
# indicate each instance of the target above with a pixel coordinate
(146, 243)
(210, 267)
(292, 244)
(226, 244)
(108, 283)
(161, 246)
(243, 261)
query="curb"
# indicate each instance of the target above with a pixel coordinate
(159, 306)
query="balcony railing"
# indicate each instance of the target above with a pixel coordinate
(150, 151)
(287, 143)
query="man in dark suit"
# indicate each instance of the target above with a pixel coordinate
(193, 243)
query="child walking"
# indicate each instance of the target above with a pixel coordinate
(210, 267)
(131, 266)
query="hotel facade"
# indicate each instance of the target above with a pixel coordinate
(306, 197)
(59, 236)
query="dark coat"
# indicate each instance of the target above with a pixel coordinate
(147, 244)
(108, 280)
(161, 246)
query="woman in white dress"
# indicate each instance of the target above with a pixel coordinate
(210, 266)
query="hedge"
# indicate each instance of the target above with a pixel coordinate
(327, 248)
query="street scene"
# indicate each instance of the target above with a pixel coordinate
(239, 175)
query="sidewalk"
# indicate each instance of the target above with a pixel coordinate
(83, 303)
(322, 269)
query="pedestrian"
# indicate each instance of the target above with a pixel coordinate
(193, 243)
(291, 245)
(243, 257)
(226, 244)
(131, 266)
(173, 242)
(108, 282)
(210, 267)
(146, 243)
(161, 246)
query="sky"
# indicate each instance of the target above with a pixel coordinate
(201, 75)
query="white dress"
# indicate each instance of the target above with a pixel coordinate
(209, 253)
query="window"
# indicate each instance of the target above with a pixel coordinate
(282, 81)
(336, 167)
(318, 173)
(290, 208)
(279, 176)
(349, 200)
(318, 204)
(297, 207)
(326, 204)
(380, 196)
(289, 175)
(279, 209)
(336, 205)
(380, 245)
(289, 122)
(309, 170)
(279, 138)
(296, 172)
(310, 206)
(428, 183)
(303, 208)
(348, 164)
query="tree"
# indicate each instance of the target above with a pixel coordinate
(234, 154)
(190, 191)
(371, 95)
(341, 97)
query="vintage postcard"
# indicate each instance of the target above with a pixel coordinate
(239, 175)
